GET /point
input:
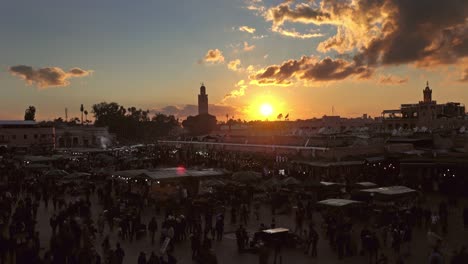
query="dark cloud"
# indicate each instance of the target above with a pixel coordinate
(47, 77)
(183, 111)
(302, 13)
(428, 33)
(77, 72)
(309, 69)
(388, 31)
(380, 32)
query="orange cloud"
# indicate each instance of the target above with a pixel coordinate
(391, 80)
(47, 77)
(294, 34)
(214, 56)
(247, 29)
(255, 5)
(247, 47)
(241, 87)
(234, 65)
(464, 78)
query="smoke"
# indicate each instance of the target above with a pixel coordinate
(105, 142)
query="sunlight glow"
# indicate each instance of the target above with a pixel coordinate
(266, 110)
(265, 107)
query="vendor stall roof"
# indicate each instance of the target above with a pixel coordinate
(366, 184)
(276, 230)
(36, 166)
(375, 159)
(325, 164)
(290, 181)
(170, 173)
(391, 190)
(337, 202)
(130, 173)
(84, 150)
(328, 183)
(42, 158)
(56, 173)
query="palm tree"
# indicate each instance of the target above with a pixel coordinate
(86, 115)
(81, 110)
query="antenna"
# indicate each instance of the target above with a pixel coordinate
(66, 114)
(333, 110)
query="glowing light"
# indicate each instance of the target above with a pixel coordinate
(266, 110)
(180, 170)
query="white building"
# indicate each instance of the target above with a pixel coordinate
(82, 137)
(19, 134)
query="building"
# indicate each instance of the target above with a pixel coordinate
(26, 135)
(300, 128)
(202, 101)
(426, 114)
(82, 137)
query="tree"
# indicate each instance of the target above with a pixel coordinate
(132, 124)
(86, 116)
(108, 114)
(30, 113)
(74, 121)
(200, 124)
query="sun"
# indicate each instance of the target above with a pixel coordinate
(266, 110)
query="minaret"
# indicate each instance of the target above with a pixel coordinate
(202, 101)
(427, 93)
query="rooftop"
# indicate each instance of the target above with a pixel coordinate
(170, 173)
(17, 123)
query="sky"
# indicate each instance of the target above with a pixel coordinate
(302, 58)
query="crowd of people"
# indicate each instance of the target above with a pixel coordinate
(89, 221)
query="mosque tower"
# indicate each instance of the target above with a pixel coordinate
(427, 94)
(202, 101)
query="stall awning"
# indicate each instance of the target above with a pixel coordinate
(337, 202)
(391, 190)
(170, 173)
(325, 164)
(375, 159)
(276, 230)
(367, 184)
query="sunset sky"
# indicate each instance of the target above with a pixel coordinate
(300, 57)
